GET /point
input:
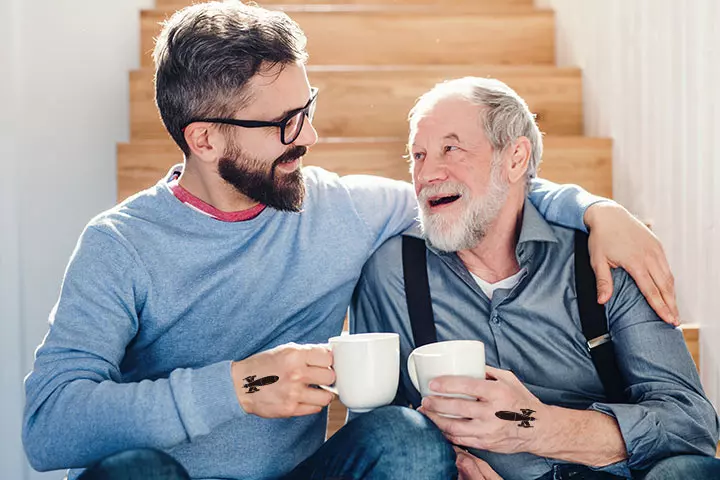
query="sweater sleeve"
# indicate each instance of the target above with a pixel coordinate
(564, 205)
(78, 408)
(387, 207)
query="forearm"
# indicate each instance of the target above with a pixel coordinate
(579, 436)
(565, 205)
(74, 418)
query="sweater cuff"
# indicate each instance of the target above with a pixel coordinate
(205, 398)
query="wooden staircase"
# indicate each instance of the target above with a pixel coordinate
(371, 59)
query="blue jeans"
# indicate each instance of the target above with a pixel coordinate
(681, 467)
(138, 464)
(387, 443)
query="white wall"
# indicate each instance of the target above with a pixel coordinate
(11, 400)
(63, 107)
(650, 76)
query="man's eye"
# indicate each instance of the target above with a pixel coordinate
(449, 148)
(418, 156)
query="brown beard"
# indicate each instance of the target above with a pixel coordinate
(285, 192)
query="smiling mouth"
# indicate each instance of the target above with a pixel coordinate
(437, 201)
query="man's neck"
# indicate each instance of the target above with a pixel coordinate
(213, 190)
(494, 259)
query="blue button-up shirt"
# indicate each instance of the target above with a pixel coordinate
(534, 330)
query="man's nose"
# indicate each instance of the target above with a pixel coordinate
(431, 170)
(308, 135)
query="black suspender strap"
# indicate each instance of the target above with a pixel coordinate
(594, 323)
(417, 291)
(592, 314)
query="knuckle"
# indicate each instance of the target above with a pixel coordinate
(453, 429)
(465, 462)
(293, 395)
(296, 374)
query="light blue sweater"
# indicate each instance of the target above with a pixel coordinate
(158, 299)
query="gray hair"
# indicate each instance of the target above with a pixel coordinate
(505, 115)
(206, 54)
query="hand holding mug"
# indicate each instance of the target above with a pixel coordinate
(455, 357)
(280, 382)
(505, 417)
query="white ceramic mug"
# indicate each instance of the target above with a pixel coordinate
(367, 369)
(455, 357)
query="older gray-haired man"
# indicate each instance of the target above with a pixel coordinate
(499, 273)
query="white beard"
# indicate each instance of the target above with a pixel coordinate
(467, 229)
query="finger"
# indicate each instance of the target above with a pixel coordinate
(455, 427)
(315, 397)
(649, 289)
(318, 376)
(663, 277)
(603, 274)
(319, 356)
(458, 450)
(303, 409)
(453, 406)
(486, 470)
(474, 468)
(472, 387)
(467, 468)
(498, 373)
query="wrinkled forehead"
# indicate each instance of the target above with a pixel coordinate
(443, 117)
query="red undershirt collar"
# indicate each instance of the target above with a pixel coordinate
(203, 207)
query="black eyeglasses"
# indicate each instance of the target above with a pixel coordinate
(290, 126)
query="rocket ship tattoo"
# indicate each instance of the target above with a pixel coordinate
(524, 418)
(252, 384)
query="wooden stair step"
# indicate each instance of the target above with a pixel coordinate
(453, 8)
(364, 102)
(691, 332)
(416, 38)
(178, 4)
(582, 160)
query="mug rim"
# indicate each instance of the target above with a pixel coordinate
(422, 350)
(363, 337)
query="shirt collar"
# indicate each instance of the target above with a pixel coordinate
(534, 227)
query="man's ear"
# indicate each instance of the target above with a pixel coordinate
(520, 152)
(203, 141)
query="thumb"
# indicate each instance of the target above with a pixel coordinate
(604, 281)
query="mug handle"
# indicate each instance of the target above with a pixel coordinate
(412, 372)
(328, 388)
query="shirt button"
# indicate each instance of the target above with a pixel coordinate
(495, 319)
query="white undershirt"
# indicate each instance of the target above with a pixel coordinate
(504, 284)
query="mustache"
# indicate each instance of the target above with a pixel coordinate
(445, 188)
(292, 154)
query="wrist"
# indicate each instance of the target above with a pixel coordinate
(590, 218)
(548, 428)
(239, 371)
